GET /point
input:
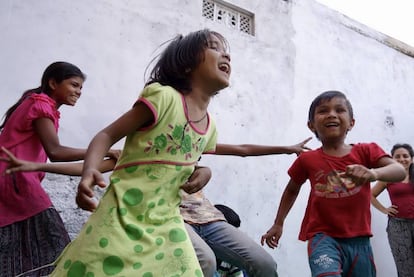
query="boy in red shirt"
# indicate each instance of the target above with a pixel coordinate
(337, 221)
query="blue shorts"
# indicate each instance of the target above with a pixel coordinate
(335, 257)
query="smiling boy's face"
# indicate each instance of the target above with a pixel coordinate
(332, 119)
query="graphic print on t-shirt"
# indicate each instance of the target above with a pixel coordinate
(333, 185)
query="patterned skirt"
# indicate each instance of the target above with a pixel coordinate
(28, 247)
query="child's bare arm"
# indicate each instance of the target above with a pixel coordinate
(289, 196)
(73, 169)
(197, 180)
(245, 150)
(388, 171)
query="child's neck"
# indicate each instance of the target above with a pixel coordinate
(336, 150)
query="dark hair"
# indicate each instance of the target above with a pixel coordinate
(180, 57)
(58, 71)
(410, 150)
(229, 214)
(326, 96)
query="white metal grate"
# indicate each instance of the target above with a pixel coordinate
(228, 15)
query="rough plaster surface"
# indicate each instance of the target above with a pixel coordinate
(300, 49)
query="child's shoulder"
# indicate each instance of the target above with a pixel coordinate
(157, 88)
(368, 150)
(364, 145)
(40, 97)
(39, 101)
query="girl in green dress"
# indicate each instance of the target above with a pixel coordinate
(137, 230)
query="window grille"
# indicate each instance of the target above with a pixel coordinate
(229, 15)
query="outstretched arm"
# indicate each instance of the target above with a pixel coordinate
(57, 152)
(245, 150)
(72, 169)
(289, 196)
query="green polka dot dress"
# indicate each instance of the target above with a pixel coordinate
(137, 229)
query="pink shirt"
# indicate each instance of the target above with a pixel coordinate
(336, 206)
(21, 194)
(402, 196)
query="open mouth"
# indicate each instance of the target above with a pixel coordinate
(332, 124)
(225, 67)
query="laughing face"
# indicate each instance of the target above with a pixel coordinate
(402, 156)
(332, 119)
(214, 70)
(66, 92)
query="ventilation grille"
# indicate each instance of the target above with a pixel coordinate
(228, 15)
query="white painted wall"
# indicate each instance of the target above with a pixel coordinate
(301, 48)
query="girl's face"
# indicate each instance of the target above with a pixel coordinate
(402, 156)
(214, 70)
(66, 92)
(332, 119)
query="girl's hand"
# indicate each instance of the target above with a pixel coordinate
(15, 164)
(392, 210)
(272, 236)
(85, 197)
(300, 147)
(197, 180)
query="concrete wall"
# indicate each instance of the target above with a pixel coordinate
(300, 49)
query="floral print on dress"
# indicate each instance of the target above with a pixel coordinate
(181, 139)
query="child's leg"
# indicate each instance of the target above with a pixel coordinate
(325, 256)
(205, 255)
(358, 258)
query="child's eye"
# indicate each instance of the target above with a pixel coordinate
(76, 85)
(215, 46)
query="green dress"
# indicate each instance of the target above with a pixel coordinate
(137, 229)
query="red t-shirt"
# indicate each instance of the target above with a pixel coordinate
(21, 194)
(336, 207)
(402, 196)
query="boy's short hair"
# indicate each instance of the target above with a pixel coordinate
(326, 96)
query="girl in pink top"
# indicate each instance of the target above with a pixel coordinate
(32, 233)
(400, 227)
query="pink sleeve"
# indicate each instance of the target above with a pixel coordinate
(40, 106)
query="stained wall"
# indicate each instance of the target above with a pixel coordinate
(300, 49)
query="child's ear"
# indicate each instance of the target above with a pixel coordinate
(310, 126)
(351, 125)
(52, 83)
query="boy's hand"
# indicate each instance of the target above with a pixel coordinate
(359, 174)
(85, 197)
(197, 180)
(272, 236)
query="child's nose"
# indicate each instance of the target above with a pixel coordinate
(227, 56)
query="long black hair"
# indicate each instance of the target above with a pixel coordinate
(57, 71)
(180, 57)
(410, 151)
